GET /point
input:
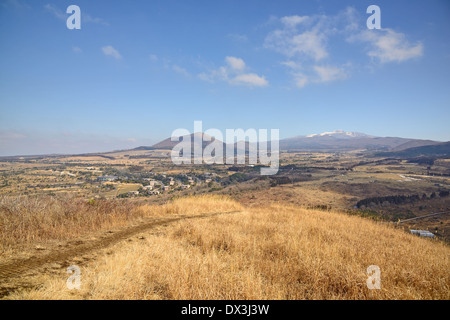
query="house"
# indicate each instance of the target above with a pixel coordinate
(422, 233)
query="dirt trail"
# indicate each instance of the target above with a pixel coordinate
(16, 268)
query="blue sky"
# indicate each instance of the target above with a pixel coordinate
(137, 70)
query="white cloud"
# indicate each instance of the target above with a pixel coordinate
(153, 57)
(292, 21)
(220, 74)
(387, 45)
(308, 43)
(110, 51)
(315, 73)
(300, 80)
(250, 79)
(234, 73)
(77, 49)
(56, 12)
(87, 18)
(329, 73)
(303, 41)
(181, 70)
(235, 63)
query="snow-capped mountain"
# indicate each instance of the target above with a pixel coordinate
(340, 134)
(340, 140)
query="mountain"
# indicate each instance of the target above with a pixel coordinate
(168, 144)
(340, 140)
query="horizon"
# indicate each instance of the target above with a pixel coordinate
(191, 134)
(135, 73)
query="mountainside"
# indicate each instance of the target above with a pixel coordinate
(168, 144)
(436, 150)
(414, 144)
(344, 141)
(337, 140)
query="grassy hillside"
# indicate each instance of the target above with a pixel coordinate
(25, 221)
(275, 252)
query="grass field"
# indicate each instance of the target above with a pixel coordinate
(271, 252)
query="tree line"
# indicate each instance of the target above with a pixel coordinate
(400, 199)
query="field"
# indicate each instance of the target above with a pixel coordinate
(276, 252)
(139, 227)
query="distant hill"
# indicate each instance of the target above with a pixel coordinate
(436, 150)
(143, 148)
(414, 144)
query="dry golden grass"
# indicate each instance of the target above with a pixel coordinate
(27, 220)
(277, 252)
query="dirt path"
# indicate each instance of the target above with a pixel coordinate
(17, 268)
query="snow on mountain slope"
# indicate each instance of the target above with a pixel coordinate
(340, 134)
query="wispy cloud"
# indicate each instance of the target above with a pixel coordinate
(77, 49)
(237, 37)
(251, 79)
(329, 73)
(234, 72)
(293, 21)
(15, 4)
(87, 18)
(386, 45)
(303, 41)
(110, 51)
(316, 73)
(235, 63)
(56, 12)
(62, 15)
(181, 71)
(153, 57)
(306, 37)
